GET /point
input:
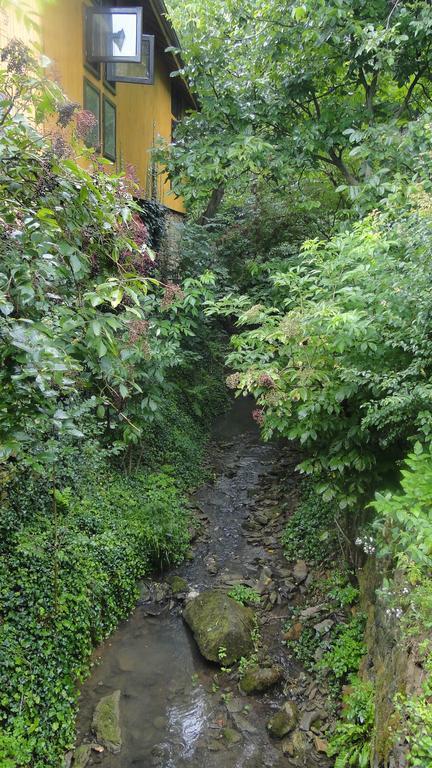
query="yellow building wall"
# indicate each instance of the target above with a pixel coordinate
(143, 112)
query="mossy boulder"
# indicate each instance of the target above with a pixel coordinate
(81, 756)
(217, 621)
(284, 721)
(259, 679)
(178, 585)
(106, 722)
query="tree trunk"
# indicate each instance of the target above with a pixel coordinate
(213, 205)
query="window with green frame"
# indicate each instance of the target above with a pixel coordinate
(91, 103)
(109, 129)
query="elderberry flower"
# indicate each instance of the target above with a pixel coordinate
(85, 122)
(66, 113)
(265, 380)
(172, 293)
(258, 416)
(233, 380)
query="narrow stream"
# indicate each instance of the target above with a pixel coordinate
(172, 710)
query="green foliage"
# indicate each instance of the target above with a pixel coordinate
(308, 532)
(347, 649)
(343, 593)
(345, 355)
(351, 742)
(244, 595)
(107, 394)
(76, 570)
(306, 84)
(404, 521)
(305, 647)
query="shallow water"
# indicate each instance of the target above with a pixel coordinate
(171, 709)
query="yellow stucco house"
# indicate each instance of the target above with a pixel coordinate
(135, 102)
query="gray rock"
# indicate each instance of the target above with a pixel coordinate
(81, 756)
(324, 626)
(312, 611)
(284, 721)
(300, 571)
(106, 722)
(217, 621)
(309, 718)
(259, 679)
(211, 564)
(243, 723)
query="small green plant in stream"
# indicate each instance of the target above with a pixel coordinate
(244, 594)
(351, 742)
(246, 662)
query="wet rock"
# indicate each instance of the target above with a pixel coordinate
(214, 746)
(125, 660)
(321, 745)
(81, 756)
(217, 621)
(161, 591)
(211, 564)
(284, 721)
(231, 736)
(178, 585)
(106, 722)
(243, 723)
(234, 706)
(160, 723)
(324, 626)
(259, 679)
(294, 632)
(309, 718)
(300, 571)
(312, 611)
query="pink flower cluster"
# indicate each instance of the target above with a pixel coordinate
(258, 416)
(172, 293)
(265, 380)
(85, 122)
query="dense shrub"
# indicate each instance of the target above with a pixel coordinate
(342, 362)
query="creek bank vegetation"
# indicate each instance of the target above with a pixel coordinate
(319, 134)
(110, 377)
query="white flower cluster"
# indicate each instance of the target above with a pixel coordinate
(395, 612)
(367, 544)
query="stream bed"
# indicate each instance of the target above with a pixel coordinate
(177, 709)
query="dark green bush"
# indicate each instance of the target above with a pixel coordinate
(309, 532)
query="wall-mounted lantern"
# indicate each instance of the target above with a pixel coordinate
(113, 34)
(131, 72)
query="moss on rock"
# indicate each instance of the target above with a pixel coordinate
(259, 679)
(284, 721)
(219, 622)
(106, 722)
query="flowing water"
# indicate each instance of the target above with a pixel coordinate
(172, 711)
